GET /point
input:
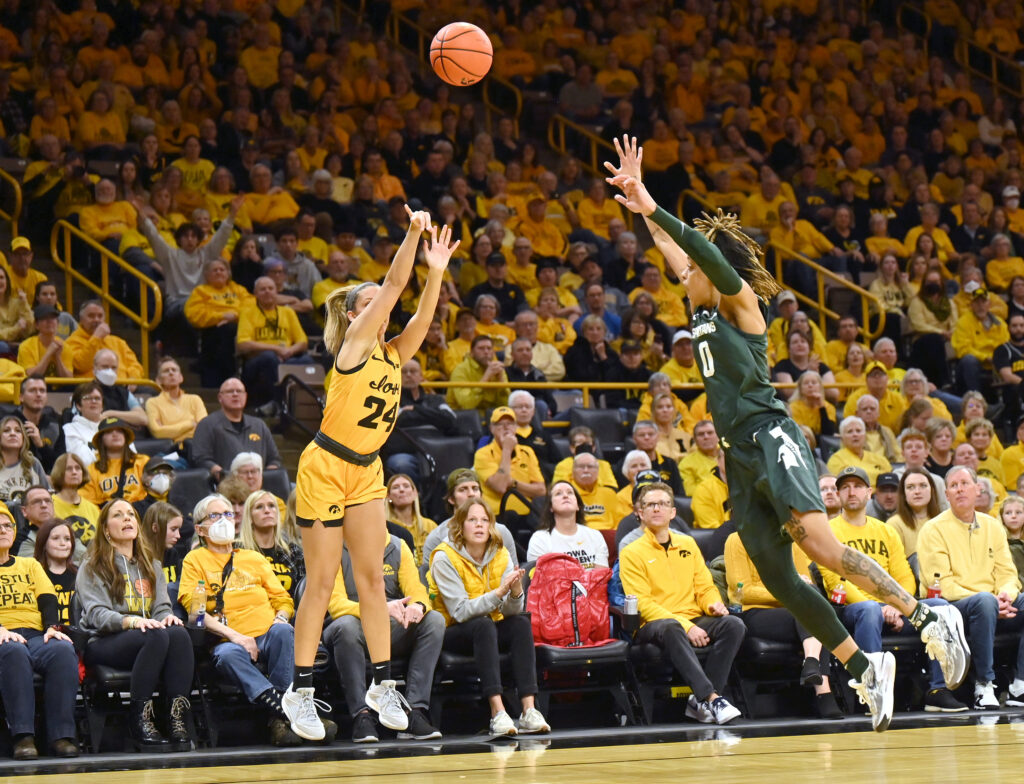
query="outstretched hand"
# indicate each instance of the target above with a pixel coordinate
(634, 196)
(631, 156)
(418, 220)
(436, 251)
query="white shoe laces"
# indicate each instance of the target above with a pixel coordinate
(392, 698)
(307, 709)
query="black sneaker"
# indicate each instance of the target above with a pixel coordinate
(942, 701)
(810, 674)
(364, 728)
(419, 728)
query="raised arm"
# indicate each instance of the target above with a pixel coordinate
(437, 253)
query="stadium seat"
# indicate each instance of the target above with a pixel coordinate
(605, 422)
(189, 487)
(468, 423)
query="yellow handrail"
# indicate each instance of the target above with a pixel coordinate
(495, 90)
(692, 194)
(916, 21)
(60, 381)
(996, 68)
(823, 274)
(598, 147)
(60, 251)
(15, 214)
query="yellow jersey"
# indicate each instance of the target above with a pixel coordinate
(362, 402)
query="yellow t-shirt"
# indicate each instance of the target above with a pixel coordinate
(21, 585)
(103, 485)
(31, 351)
(280, 327)
(83, 516)
(524, 468)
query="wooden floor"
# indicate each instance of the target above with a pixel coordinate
(936, 755)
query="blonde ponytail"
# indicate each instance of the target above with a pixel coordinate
(338, 303)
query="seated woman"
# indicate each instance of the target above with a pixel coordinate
(16, 319)
(918, 502)
(765, 617)
(1011, 513)
(564, 530)
(117, 472)
(68, 476)
(799, 361)
(809, 407)
(263, 532)
(673, 439)
(403, 508)
(633, 463)
(483, 620)
(974, 406)
(173, 413)
(915, 387)
(127, 613)
(248, 466)
(486, 310)
(30, 642)
(87, 403)
(213, 309)
(940, 433)
(55, 544)
(161, 528)
(852, 375)
(553, 329)
(661, 384)
(250, 610)
(591, 356)
(20, 468)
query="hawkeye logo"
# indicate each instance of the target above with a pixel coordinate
(334, 509)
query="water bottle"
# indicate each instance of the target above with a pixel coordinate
(839, 593)
(197, 616)
(738, 606)
(935, 589)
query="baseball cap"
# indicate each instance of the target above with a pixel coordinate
(630, 346)
(322, 174)
(975, 289)
(156, 463)
(875, 365)
(646, 477)
(876, 180)
(785, 296)
(460, 475)
(500, 413)
(682, 334)
(853, 472)
(495, 260)
(887, 479)
(40, 312)
(21, 243)
(1011, 191)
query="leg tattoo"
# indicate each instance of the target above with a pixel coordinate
(868, 574)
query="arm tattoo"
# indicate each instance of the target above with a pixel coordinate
(878, 582)
(797, 531)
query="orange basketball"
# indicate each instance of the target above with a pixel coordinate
(461, 54)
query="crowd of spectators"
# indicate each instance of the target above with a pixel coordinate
(252, 157)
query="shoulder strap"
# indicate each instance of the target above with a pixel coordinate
(218, 600)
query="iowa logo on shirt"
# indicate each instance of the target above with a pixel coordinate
(254, 437)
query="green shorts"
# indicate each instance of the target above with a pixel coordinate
(770, 474)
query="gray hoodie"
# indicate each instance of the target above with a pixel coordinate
(184, 271)
(440, 534)
(460, 606)
(100, 615)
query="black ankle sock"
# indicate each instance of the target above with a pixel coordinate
(303, 678)
(382, 671)
(857, 665)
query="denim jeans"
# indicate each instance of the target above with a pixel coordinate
(276, 649)
(981, 622)
(864, 620)
(57, 662)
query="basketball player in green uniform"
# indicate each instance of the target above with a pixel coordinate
(773, 483)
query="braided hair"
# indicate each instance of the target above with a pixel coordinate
(740, 250)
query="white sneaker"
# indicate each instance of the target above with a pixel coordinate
(985, 696)
(699, 710)
(300, 708)
(1015, 695)
(532, 722)
(945, 642)
(875, 688)
(389, 704)
(501, 725)
(724, 711)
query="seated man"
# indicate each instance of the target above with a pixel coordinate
(223, 434)
(507, 467)
(836, 350)
(522, 369)
(682, 367)
(579, 436)
(45, 354)
(416, 407)
(93, 333)
(268, 335)
(173, 413)
(302, 273)
(698, 464)
(679, 606)
(711, 505)
(525, 407)
(967, 552)
(479, 365)
(416, 634)
(602, 507)
(878, 438)
(891, 404)
(645, 435)
(976, 336)
(545, 356)
(852, 453)
(866, 615)
(266, 208)
(42, 423)
(118, 401)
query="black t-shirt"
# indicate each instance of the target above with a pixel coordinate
(64, 586)
(787, 366)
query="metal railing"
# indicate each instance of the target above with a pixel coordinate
(869, 303)
(61, 381)
(986, 63)
(15, 214)
(501, 99)
(62, 238)
(916, 21)
(598, 150)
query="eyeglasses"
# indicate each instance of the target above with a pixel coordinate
(92, 399)
(658, 505)
(215, 516)
(6, 526)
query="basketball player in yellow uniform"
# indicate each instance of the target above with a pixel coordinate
(340, 477)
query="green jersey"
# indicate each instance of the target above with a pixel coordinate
(734, 366)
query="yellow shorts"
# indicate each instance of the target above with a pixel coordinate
(326, 484)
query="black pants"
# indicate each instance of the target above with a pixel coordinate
(774, 623)
(217, 354)
(485, 639)
(154, 655)
(726, 634)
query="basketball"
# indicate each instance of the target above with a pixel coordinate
(461, 54)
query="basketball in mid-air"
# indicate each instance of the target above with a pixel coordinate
(461, 54)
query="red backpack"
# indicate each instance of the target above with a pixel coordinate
(568, 604)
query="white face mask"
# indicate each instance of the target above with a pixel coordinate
(221, 532)
(160, 484)
(1013, 202)
(107, 377)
